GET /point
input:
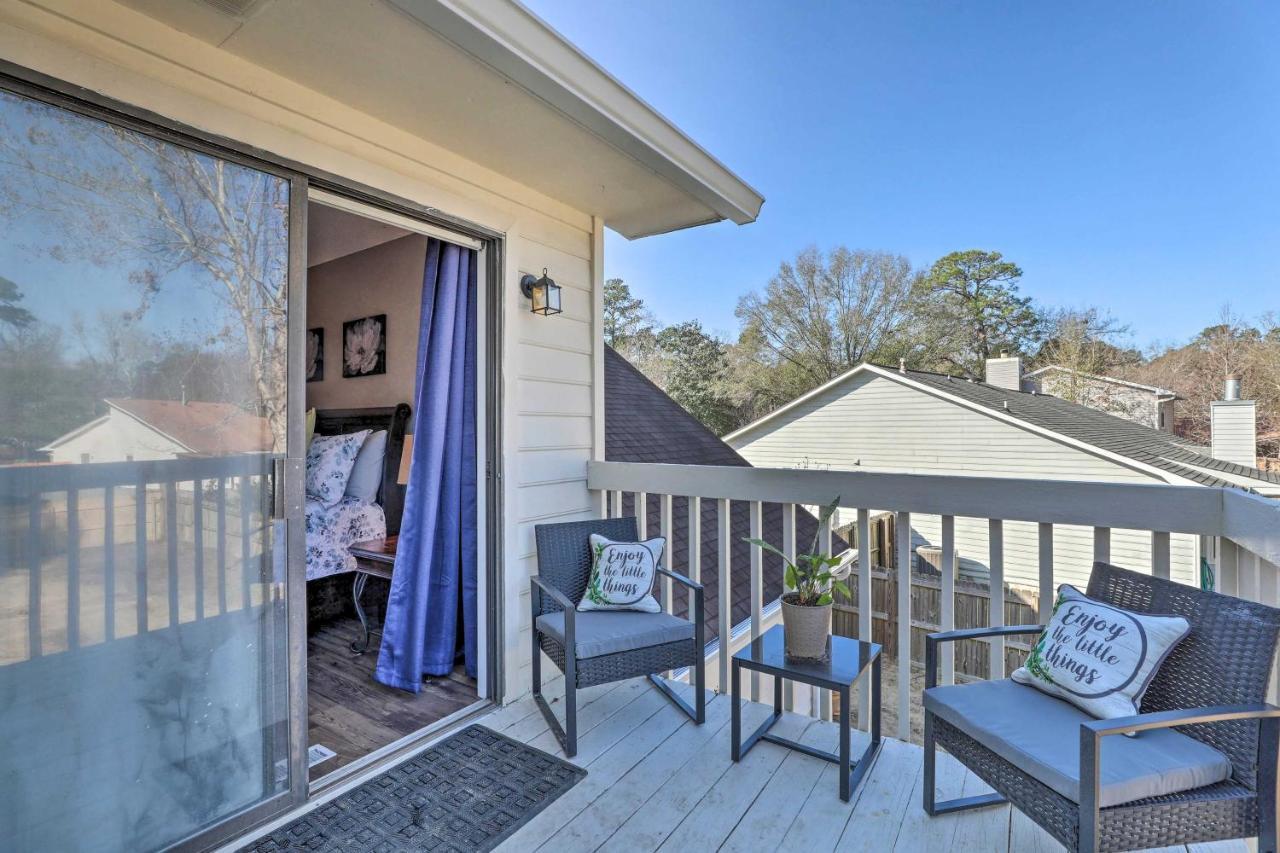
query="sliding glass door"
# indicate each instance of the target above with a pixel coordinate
(144, 689)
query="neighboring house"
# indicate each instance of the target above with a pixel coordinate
(643, 424)
(1145, 404)
(161, 429)
(905, 421)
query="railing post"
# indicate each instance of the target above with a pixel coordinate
(1046, 572)
(724, 616)
(140, 548)
(824, 696)
(1160, 554)
(695, 548)
(664, 524)
(222, 544)
(1102, 544)
(197, 533)
(948, 593)
(1228, 566)
(757, 588)
(903, 527)
(864, 609)
(73, 568)
(109, 564)
(171, 548)
(617, 504)
(641, 507)
(789, 549)
(995, 560)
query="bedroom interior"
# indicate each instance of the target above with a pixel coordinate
(365, 371)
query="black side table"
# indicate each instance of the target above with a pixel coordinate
(848, 660)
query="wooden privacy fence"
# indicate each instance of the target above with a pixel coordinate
(114, 549)
(972, 610)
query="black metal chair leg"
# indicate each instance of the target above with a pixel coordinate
(700, 685)
(1268, 795)
(931, 806)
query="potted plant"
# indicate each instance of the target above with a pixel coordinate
(806, 607)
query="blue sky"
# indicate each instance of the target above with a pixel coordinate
(1126, 155)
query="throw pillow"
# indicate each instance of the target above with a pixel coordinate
(366, 474)
(1099, 657)
(622, 575)
(329, 462)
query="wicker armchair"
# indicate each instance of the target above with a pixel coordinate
(564, 567)
(1212, 688)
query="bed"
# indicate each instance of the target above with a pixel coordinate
(332, 530)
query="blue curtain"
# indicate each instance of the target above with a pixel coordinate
(433, 588)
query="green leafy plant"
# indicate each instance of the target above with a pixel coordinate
(813, 576)
(1035, 661)
(594, 592)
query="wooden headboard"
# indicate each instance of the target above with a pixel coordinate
(394, 419)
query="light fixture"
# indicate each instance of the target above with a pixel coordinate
(542, 292)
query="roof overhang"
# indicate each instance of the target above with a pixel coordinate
(493, 83)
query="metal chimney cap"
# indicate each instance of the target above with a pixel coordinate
(1231, 388)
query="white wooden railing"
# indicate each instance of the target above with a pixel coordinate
(1244, 530)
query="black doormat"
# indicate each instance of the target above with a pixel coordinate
(468, 792)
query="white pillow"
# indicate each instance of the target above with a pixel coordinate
(366, 473)
(622, 575)
(1099, 657)
(329, 462)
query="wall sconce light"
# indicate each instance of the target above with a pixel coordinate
(542, 292)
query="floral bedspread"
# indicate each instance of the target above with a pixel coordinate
(332, 530)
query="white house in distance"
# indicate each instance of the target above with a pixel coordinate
(912, 422)
(161, 429)
(1144, 404)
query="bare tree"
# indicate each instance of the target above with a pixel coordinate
(116, 198)
(823, 313)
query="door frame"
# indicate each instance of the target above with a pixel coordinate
(41, 87)
(489, 502)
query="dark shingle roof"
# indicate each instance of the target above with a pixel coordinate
(643, 424)
(1101, 430)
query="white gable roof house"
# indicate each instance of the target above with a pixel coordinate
(1146, 404)
(876, 418)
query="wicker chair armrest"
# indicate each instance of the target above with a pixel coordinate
(932, 641)
(537, 584)
(1093, 731)
(681, 579)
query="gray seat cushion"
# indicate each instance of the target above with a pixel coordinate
(1041, 736)
(605, 632)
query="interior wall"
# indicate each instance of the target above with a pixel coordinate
(385, 279)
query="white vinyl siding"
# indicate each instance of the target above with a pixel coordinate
(1235, 436)
(876, 423)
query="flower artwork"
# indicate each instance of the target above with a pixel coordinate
(364, 346)
(315, 355)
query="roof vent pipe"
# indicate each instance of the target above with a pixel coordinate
(1231, 390)
(902, 365)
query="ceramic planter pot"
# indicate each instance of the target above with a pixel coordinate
(805, 630)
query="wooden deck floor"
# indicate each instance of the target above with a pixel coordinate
(352, 714)
(657, 782)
